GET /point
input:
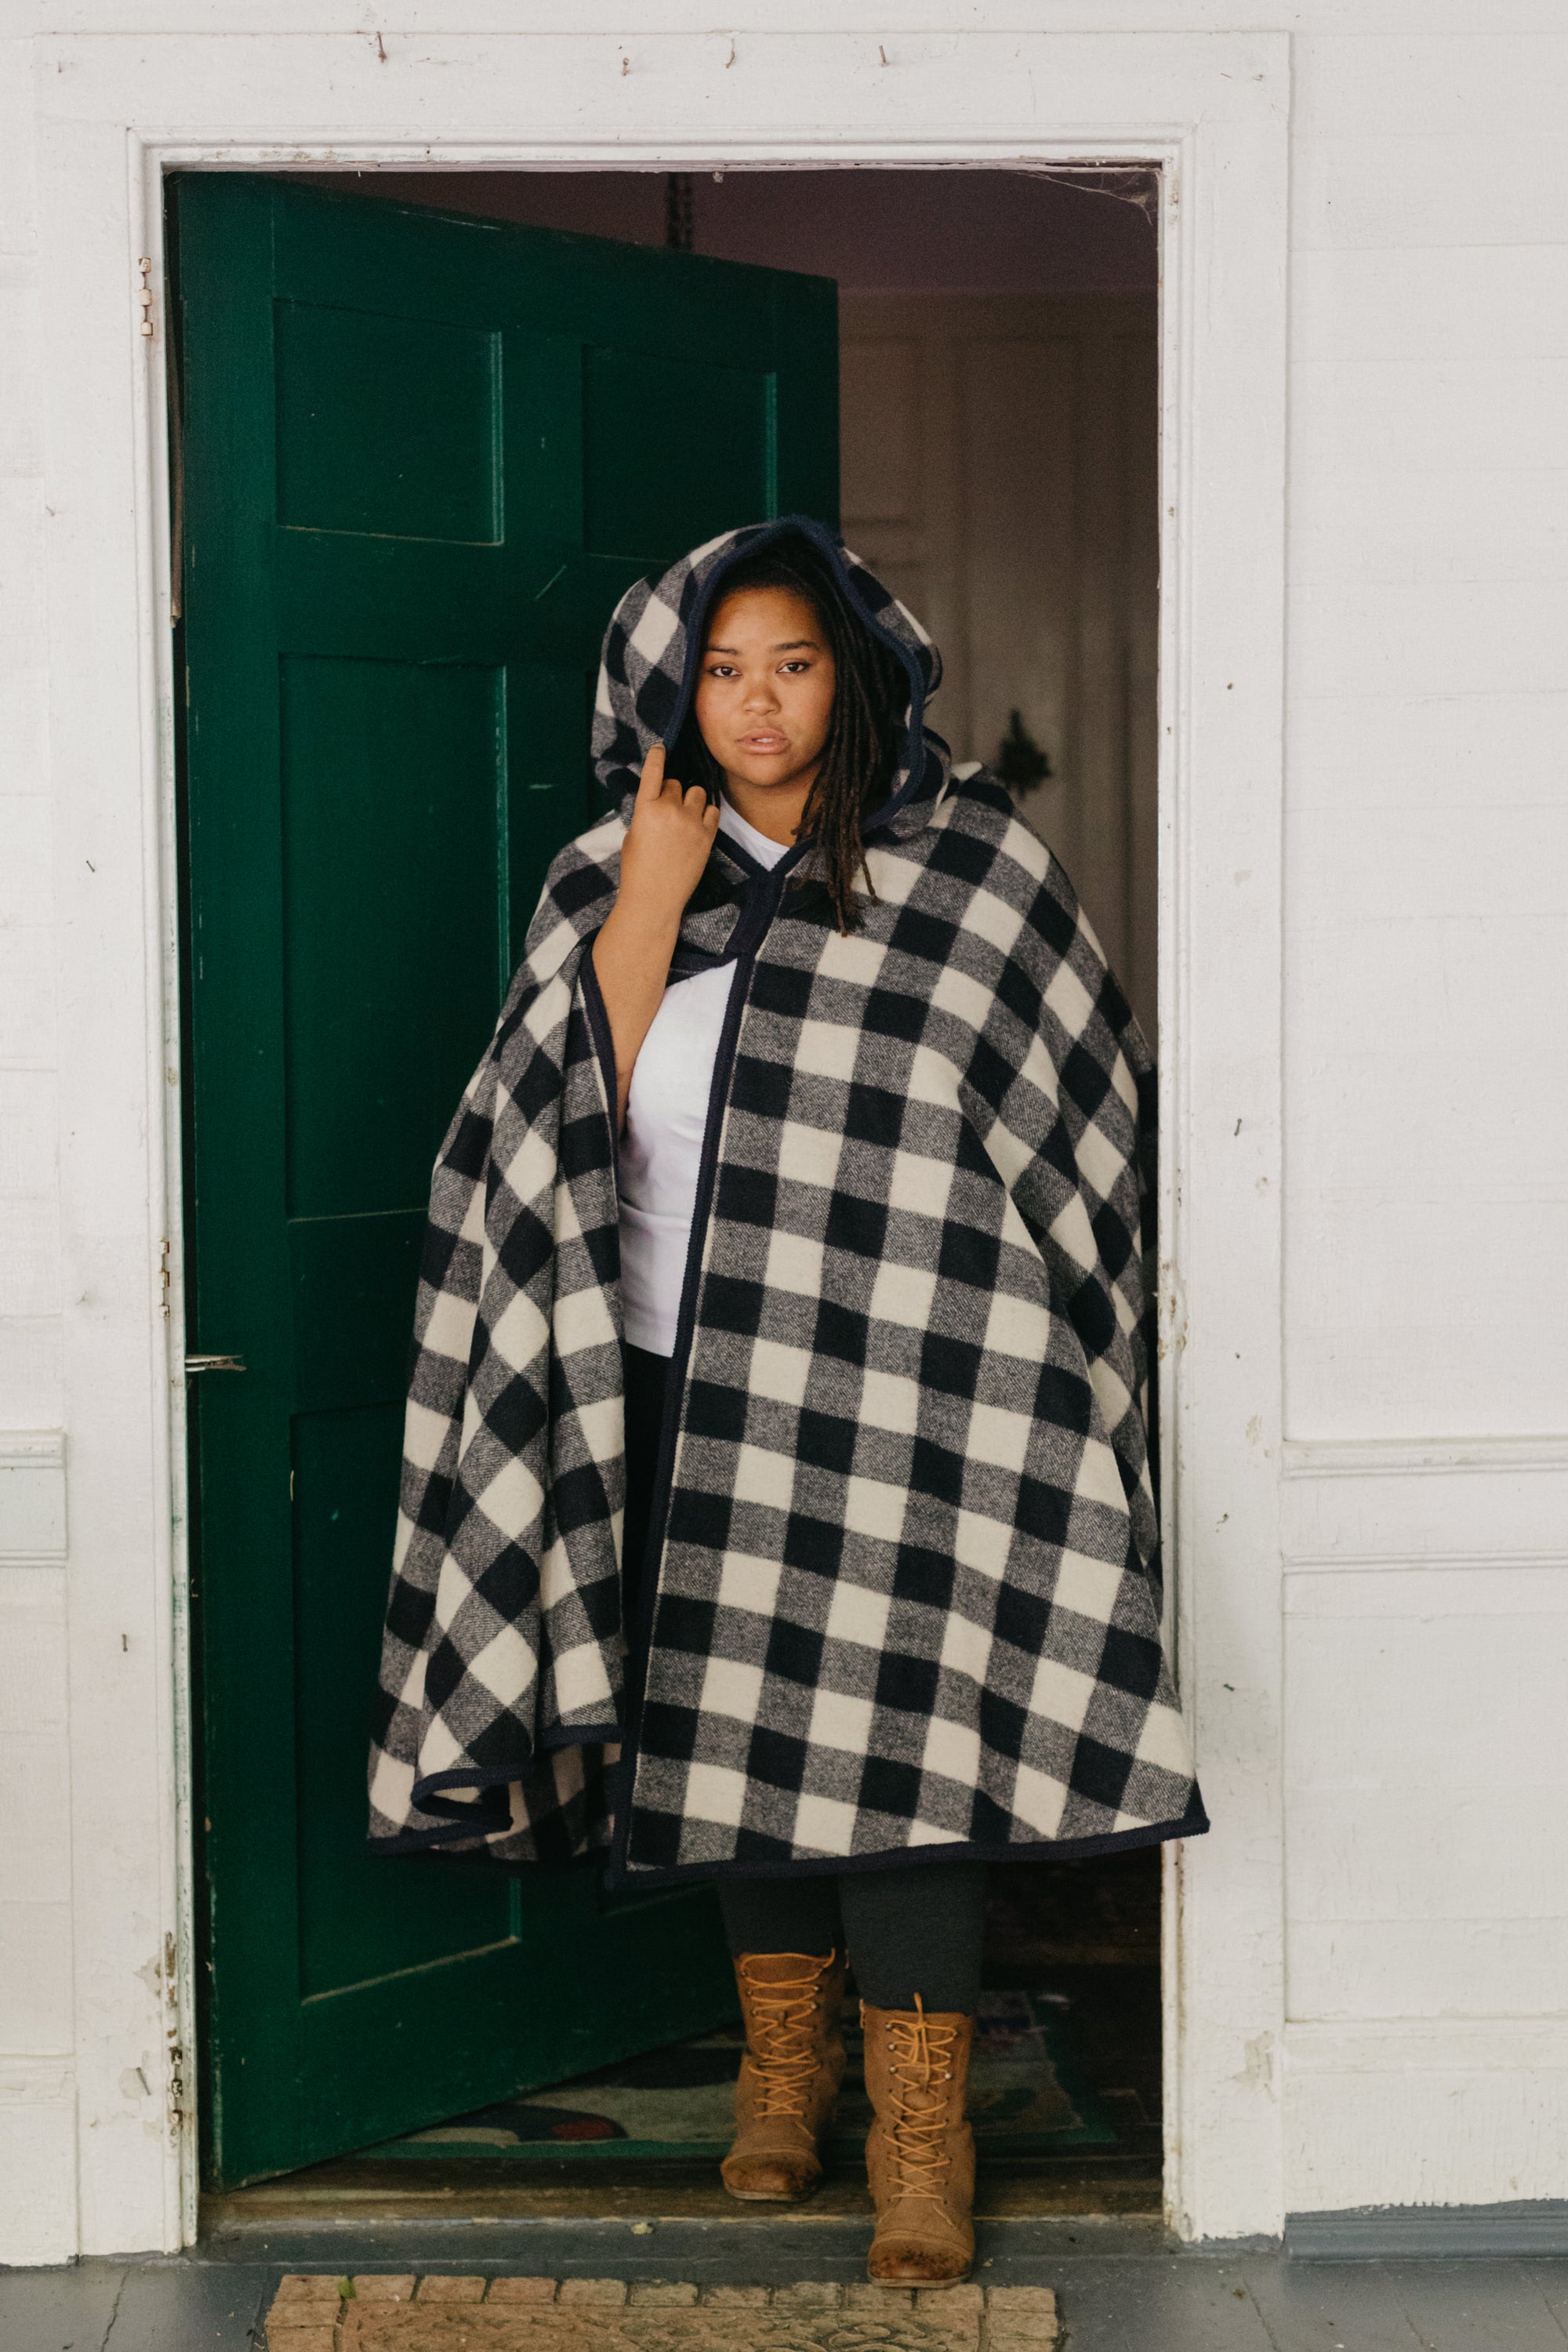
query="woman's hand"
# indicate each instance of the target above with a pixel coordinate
(666, 845)
(662, 858)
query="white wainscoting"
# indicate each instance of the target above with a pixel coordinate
(32, 1498)
(37, 2081)
(1469, 2111)
(1427, 1822)
(1491, 1502)
(37, 2156)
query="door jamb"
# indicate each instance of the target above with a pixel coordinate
(1221, 244)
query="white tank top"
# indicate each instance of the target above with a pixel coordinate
(667, 1114)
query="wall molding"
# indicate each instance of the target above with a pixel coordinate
(1349, 1563)
(1405, 2045)
(34, 2082)
(32, 1498)
(1381, 2232)
(1403, 1457)
(1441, 1504)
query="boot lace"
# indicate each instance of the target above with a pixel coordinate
(781, 2018)
(921, 2071)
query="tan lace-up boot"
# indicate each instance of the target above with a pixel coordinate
(920, 2152)
(788, 2087)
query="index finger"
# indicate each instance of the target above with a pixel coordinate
(650, 784)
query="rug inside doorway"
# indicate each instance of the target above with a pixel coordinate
(385, 2313)
(1027, 2096)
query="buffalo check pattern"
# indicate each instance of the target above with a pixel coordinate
(907, 1597)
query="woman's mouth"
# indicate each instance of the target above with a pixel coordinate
(764, 740)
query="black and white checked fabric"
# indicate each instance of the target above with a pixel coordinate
(907, 1591)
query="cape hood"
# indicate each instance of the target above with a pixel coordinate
(649, 668)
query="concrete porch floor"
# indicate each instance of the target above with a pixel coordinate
(1121, 2285)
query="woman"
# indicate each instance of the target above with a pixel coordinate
(797, 1212)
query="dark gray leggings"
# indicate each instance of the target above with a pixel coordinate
(915, 1928)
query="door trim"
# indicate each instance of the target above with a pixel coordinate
(1212, 111)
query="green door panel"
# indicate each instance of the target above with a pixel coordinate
(362, 400)
(710, 426)
(392, 780)
(423, 455)
(362, 1919)
(554, 705)
(352, 1287)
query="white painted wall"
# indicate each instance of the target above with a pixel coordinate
(1427, 1049)
(1419, 2052)
(37, 2024)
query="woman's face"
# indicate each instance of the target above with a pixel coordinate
(764, 695)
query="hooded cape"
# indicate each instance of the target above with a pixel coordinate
(902, 1593)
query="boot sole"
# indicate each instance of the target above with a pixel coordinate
(770, 2196)
(774, 2196)
(918, 2278)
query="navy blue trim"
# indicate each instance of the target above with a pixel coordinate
(588, 1734)
(435, 1843)
(756, 916)
(420, 1840)
(1194, 1822)
(465, 1776)
(472, 1777)
(599, 1030)
(695, 963)
(829, 545)
(750, 867)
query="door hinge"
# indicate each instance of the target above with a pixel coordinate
(144, 291)
(215, 1364)
(177, 2109)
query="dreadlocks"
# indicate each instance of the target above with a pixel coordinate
(865, 731)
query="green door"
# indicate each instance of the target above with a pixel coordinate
(423, 455)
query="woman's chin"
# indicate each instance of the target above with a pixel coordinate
(775, 774)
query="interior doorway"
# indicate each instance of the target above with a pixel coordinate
(997, 447)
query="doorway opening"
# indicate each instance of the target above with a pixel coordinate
(997, 460)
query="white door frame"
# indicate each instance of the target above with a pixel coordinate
(115, 113)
